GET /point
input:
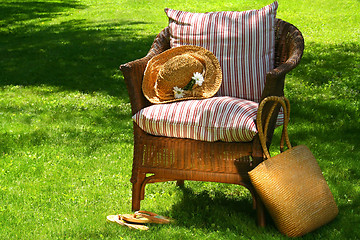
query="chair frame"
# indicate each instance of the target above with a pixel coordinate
(158, 158)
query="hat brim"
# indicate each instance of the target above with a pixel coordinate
(155, 64)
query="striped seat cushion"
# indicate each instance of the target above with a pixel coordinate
(242, 41)
(219, 118)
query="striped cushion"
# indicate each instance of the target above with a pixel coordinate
(219, 118)
(242, 41)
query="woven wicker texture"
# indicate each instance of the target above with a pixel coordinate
(164, 158)
(292, 187)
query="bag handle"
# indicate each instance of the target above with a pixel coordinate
(262, 133)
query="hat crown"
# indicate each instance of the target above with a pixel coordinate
(177, 72)
(185, 72)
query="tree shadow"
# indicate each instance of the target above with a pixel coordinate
(330, 121)
(73, 55)
(336, 66)
(215, 211)
(12, 12)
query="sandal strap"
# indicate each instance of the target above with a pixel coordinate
(153, 217)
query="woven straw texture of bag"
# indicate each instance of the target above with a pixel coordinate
(293, 188)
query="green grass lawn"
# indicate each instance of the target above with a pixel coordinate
(66, 130)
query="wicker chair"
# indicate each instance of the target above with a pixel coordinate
(158, 158)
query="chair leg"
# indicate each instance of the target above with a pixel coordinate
(180, 183)
(260, 211)
(136, 192)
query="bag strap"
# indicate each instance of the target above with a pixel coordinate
(263, 132)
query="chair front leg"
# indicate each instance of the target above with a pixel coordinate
(136, 191)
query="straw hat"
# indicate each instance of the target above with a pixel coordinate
(181, 73)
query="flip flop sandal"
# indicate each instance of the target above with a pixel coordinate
(118, 219)
(133, 218)
(153, 217)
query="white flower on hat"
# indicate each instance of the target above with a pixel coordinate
(199, 79)
(178, 92)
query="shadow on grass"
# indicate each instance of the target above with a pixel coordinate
(66, 124)
(13, 12)
(329, 120)
(215, 211)
(336, 66)
(326, 114)
(73, 55)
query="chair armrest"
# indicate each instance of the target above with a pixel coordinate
(133, 74)
(289, 49)
(133, 71)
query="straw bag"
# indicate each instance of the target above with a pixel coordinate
(291, 184)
